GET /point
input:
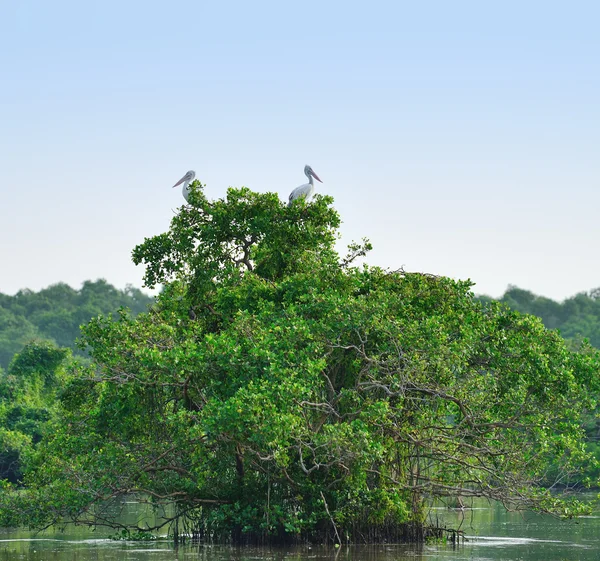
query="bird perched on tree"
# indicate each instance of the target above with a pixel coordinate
(186, 180)
(305, 191)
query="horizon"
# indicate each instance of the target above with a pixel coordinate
(155, 292)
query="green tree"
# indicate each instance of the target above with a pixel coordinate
(277, 391)
(15, 332)
(55, 313)
(575, 317)
(27, 402)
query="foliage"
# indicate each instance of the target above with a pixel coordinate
(15, 332)
(576, 317)
(55, 313)
(276, 391)
(27, 402)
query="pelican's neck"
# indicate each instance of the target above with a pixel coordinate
(185, 190)
(310, 179)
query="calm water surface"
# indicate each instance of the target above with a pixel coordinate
(493, 535)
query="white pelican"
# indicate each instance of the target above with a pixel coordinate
(305, 191)
(186, 180)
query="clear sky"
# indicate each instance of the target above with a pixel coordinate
(461, 137)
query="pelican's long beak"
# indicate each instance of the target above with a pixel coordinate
(181, 181)
(316, 177)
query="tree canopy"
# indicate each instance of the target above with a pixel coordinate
(280, 391)
(576, 317)
(55, 313)
(27, 402)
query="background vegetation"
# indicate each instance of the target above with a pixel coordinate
(54, 314)
(576, 318)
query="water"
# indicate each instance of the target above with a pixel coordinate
(493, 535)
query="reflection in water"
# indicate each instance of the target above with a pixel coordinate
(493, 535)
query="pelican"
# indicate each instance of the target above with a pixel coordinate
(186, 180)
(305, 191)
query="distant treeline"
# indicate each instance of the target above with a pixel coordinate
(577, 317)
(55, 313)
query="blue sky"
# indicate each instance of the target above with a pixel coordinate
(460, 137)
